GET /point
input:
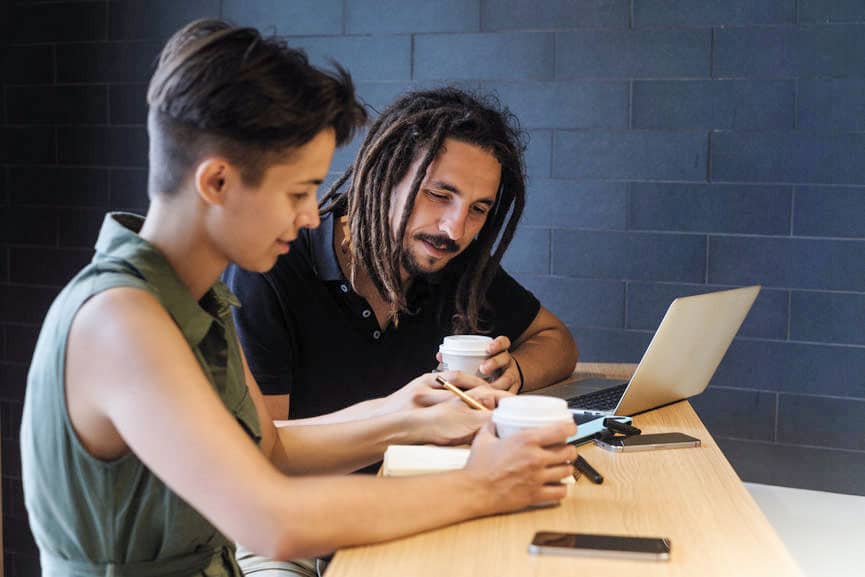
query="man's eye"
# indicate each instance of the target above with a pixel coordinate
(479, 210)
(437, 195)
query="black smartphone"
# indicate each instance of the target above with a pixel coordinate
(589, 545)
(648, 442)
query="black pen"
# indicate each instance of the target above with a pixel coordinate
(588, 470)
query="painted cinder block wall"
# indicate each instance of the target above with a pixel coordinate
(676, 146)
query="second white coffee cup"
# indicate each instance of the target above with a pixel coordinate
(527, 411)
(514, 414)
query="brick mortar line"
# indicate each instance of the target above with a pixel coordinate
(344, 19)
(746, 339)
(796, 104)
(626, 301)
(793, 445)
(712, 53)
(742, 389)
(793, 193)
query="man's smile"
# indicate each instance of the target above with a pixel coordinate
(438, 245)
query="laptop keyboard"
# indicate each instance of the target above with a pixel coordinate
(603, 400)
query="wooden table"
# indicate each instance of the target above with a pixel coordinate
(691, 496)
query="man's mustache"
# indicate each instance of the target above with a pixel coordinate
(440, 242)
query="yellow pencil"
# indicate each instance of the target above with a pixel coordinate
(467, 399)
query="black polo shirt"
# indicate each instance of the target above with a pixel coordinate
(306, 333)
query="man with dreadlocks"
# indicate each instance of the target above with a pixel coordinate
(408, 252)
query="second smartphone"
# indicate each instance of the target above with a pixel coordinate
(648, 442)
(615, 546)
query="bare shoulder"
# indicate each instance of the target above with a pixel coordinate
(103, 350)
(118, 337)
(117, 310)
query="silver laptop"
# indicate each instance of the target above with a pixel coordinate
(687, 348)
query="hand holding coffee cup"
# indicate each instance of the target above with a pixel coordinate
(483, 357)
(519, 413)
(464, 353)
(519, 469)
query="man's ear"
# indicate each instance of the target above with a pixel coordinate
(211, 179)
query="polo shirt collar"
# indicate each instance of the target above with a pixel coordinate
(119, 241)
(321, 246)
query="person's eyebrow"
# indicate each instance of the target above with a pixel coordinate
(448, 187)
(315, 181)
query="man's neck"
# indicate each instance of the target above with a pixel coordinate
(363, 285)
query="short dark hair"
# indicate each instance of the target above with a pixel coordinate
(415, 126)
(224, 89)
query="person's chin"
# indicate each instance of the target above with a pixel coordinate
(262, 264)
(432, 266)
(423, 264)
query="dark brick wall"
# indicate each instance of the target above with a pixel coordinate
(676, 147)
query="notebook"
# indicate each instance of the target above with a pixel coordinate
(407, 460)
(684, 353)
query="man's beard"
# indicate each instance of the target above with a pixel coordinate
(411, 264)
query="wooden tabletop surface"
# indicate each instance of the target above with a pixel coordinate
(691, 496)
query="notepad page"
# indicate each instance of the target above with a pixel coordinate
(406, 460)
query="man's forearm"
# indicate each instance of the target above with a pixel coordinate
(546, 358)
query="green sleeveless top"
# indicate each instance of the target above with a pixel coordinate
(97, 518)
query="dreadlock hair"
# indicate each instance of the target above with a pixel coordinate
(415, 126)
(224, 89)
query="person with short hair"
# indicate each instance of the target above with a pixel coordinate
(146, 446)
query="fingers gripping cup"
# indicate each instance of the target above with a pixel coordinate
(514, 414)
(464, 353)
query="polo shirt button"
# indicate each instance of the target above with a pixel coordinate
(376, 335)
(366, 313)
(343, 287)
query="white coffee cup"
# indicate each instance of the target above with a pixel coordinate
(514, 414)
(464, 353)
(520, 412)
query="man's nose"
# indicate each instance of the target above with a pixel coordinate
(453, 224)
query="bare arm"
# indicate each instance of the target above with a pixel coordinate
(546, 353)
(415, 414)
(131, 372)
(311, 446)
(277, 407)
(420, 392)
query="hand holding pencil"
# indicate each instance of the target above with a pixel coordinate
(467, 399)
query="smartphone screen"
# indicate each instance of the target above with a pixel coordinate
(657, 439)
(620, 546)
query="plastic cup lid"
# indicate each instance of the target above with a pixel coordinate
(523, 408)
(465, 345)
